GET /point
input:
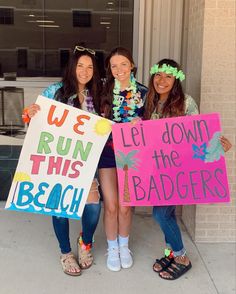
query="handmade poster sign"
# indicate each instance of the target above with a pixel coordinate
(171, 161)
(58, 160)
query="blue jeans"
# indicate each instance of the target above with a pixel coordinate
(165, 216)
(90, 220)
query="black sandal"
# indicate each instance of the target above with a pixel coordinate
(164, 262)
(175, 270)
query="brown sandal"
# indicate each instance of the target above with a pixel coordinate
(85, 256)
(69, 262)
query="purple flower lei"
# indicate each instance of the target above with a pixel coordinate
(89, 104)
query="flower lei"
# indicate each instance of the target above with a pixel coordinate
(89, 104)
(178, 74)
(87, 98)
(169, 253)
(82, 245)
(118, 99)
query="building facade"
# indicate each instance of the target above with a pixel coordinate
(200, 34)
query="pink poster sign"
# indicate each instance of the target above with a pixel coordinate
(174, 161)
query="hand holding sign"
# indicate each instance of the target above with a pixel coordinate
(58, 160)
(181, 162)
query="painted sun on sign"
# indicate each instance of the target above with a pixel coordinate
(102, 127)
(60, 155)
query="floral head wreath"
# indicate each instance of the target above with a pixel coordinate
(168, 69)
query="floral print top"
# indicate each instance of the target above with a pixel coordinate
(191, 108)
(87, 105)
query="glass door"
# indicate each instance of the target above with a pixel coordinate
(38, 36)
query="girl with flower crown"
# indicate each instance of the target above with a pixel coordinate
(80, 87)
(165, 98)
(122, 101)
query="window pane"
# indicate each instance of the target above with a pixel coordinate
(6, 16)
(38, 36)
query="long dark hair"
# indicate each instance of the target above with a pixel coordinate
(70, 83)
(174, 105)
(107, 94)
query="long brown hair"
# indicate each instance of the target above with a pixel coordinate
(174, 105)
(70, 83)
(107, 94)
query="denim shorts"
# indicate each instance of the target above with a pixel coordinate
(107, 158)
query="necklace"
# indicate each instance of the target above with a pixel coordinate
(160, 105)
(89, 106)
(158, 110)
(84, 94)
(127, 102)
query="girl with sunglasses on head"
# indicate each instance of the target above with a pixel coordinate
(80, 87)
(122, 101)
(165, 98)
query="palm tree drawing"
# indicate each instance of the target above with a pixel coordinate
(126, 161)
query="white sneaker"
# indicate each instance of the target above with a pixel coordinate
(125, 257)
(113, 259)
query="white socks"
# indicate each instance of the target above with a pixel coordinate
(112, 243)
(113, 258)
(119, 254)
(123, 241)
(125, 254)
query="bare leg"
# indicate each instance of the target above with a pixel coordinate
(125, 219)
(93, 196)
(108, 182)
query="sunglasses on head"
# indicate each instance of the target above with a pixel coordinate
(80, 48)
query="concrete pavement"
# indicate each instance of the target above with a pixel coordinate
(29, 261)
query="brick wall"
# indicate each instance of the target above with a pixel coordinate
(194, 19)
(218, 80)
(215, 222)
